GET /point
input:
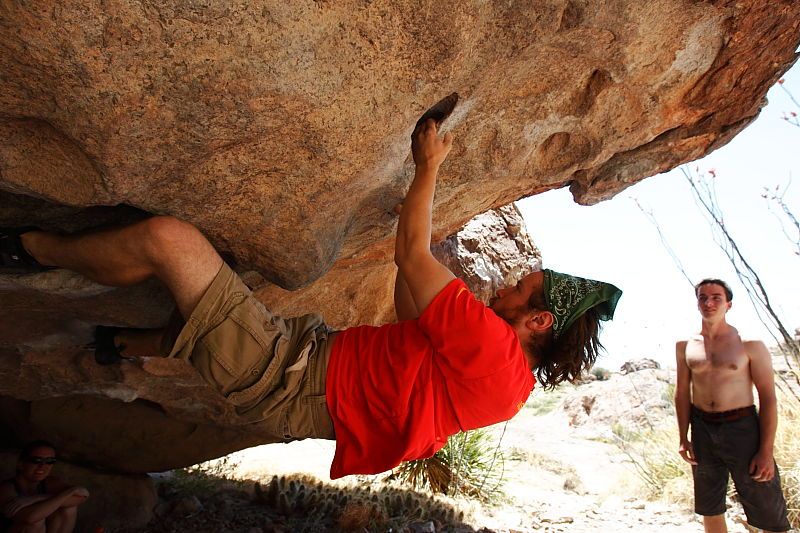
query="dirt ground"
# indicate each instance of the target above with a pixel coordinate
(558, 478)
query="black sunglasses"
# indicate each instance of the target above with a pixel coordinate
(41, 460)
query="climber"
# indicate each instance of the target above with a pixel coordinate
(386, 394)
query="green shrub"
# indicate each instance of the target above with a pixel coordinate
(602, 374)
(469, 464)
(543, 401)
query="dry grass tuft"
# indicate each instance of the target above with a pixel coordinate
(654, 455)
(787, 455)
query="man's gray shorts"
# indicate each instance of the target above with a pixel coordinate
(728, 446)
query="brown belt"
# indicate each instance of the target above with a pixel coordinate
(724, 416)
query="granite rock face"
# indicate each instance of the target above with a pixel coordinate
(633, 402)
(281, 130)
(491, 251)
(644, 363)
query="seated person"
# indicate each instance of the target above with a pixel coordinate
(35, 502)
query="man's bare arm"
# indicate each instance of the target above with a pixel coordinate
(38, 511)
(404, 305)
(54, 485)
(423, 274)
(762, 466)
(11, 503)
(683, 403)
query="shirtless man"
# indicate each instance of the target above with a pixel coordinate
(714, 394)
(35, 502)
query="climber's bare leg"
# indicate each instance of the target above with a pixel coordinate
(171, 250)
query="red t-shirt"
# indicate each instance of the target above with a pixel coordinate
(397, 392)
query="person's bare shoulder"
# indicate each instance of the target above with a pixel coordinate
(680, 354)
(755, 348)
(682, 344)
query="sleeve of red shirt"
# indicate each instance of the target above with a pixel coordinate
(478, 354)
(470, 340)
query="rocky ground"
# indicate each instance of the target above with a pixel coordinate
(562, 470)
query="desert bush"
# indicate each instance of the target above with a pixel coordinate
(470, 464)
(602, 374)
(669, 394)
(543, 401)
(654, 457)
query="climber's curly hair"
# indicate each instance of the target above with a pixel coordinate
(570, 355)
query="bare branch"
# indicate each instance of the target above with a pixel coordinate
(775, 202)
(705, 196)
(790, 117)
(649, 214)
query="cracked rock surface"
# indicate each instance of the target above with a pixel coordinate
(281, 129)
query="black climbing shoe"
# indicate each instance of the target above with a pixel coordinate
(14, 259)
(106, 350)
(229, 259)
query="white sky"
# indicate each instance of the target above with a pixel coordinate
(614, 241)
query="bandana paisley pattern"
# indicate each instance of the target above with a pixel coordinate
(566, 291)
(568, 297)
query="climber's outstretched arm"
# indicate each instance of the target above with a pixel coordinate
(423, 274)
(404, 306)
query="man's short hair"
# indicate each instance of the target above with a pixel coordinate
(714, 281)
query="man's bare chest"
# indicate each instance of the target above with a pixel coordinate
(726, 356)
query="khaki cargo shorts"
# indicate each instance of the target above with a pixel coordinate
(271, 369)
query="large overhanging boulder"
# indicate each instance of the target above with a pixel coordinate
(281, 128)
(282, 131)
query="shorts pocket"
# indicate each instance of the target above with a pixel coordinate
(251, 391)
(308, 418)
(741, 441)
(320, 417)
(232, 354)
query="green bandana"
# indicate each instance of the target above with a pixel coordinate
(569, 297)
